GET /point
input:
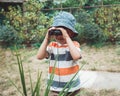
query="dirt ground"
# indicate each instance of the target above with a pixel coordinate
(96, 59)
(101, 59)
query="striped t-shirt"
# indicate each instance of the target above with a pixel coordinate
(64, 67)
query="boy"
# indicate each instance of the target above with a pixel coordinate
(66, 51)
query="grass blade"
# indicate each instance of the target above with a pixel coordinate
(21, 71)
(37, 87)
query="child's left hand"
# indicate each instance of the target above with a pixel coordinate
(64, 32)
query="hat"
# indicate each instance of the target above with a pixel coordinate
(65, 19)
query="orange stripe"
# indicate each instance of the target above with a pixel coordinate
(64, 71)
(54, 44)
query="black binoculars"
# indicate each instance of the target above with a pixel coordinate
(55, 32)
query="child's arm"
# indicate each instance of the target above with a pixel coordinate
(42, 53)
(75, 53)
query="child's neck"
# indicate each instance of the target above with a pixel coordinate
(63, 43)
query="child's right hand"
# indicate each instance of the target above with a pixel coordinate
(47, 35)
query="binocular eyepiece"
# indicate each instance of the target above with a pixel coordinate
(55, 32)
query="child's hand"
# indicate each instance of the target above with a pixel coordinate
(64, 32)
(47, 35)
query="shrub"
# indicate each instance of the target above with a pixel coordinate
(108, 18)
(80, 36)
(8, 35)
(89, 32)
(30, 23)
(93, 34)
(83, 17)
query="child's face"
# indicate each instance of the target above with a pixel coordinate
(60, 39)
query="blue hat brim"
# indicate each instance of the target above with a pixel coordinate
(59, 23)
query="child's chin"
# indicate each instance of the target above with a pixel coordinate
(62, 41)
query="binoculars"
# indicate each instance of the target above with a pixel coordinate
(55, 32)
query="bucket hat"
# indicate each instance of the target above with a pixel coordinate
(65, 19)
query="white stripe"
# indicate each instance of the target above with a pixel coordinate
(65, 78)
(59, 50)
(63, 64)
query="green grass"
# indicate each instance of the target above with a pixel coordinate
(34, 91)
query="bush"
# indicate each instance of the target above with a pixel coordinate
(93, 34)
(108, 19)
(8, 36)
(80, 36)
(31, 24)
(89, 32)
(83, 17)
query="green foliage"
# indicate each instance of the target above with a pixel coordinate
(35, 91)
(29, 22)
(75, 3)
(108, 18)
(80, 37)
(88, 31)
(1, 18)
(101, 2)
(47, 5)
(8, 35)
(111, 1)
(93, 34)
(83, 17)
